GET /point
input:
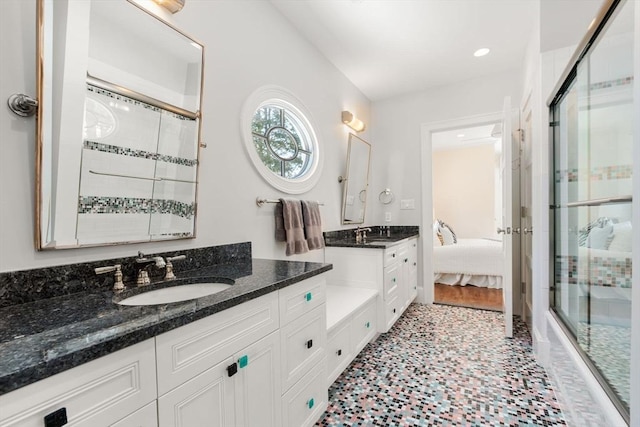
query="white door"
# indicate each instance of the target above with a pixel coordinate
(526, 167)
(507, 218)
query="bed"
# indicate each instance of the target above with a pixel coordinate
(477, 262)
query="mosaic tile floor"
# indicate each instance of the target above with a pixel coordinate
(445, 366)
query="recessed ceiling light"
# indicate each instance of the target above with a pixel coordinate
(460, 135)
(481, 52)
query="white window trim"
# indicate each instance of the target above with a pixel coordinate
(275, 95)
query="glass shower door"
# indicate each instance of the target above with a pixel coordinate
(592, 152)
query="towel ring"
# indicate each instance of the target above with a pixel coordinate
(386, 196)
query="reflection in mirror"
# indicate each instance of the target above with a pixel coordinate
(354, 201)
(118, 127)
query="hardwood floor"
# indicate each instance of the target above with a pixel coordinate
(468, 296)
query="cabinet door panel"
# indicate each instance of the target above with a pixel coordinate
(303, 345)
(363, 326)
(99, 392)
(339, 349)
(258, 382)
(185, 352)
(207, 399)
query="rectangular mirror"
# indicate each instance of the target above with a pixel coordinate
(118, 125)
(356, 183)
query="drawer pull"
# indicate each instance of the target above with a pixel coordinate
(308, 296)
(394, 310)
(243, 361)
(339, 352)
(367, 324)
(394, 280)
(56, 418)
(310, 403)
(309, 344)
(406, 260)
(393, 255)
(232, 369)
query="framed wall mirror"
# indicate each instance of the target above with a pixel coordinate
(354, 200)
(120, 95)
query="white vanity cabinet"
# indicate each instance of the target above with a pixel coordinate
(99, 393)
(303, 334)
(261, 363)
(222, 368)
(391, 271)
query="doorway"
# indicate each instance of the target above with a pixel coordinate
(510, 224)
(467, 204)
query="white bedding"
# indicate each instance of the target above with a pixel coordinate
(476, 262)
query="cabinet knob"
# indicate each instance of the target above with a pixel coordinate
(415, 263)
(406, 260)
(309, 343)
(394, 310)
(57, 418)
(367, 324)
(232, 369)
(393, 255)
(310, 403)
(394, 280)
(243, 361)
(308, 296)
(339, 352)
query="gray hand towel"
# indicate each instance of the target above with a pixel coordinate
(312, 224)
(293, 227)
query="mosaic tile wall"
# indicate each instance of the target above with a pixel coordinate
(594, 174)
(445, 366)
(599, 271)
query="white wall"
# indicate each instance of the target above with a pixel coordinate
(464, 190)
(248, 44)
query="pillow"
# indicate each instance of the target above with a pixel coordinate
(449, 236)
(583, 233)
(437, 237)
(599, 238)
(622, 237)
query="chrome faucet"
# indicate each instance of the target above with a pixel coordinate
(361, 234)
(142, 264)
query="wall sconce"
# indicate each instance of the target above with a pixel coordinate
(352, 121)
(172, 6)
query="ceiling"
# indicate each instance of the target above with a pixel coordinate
(466, 137)
(393, 47)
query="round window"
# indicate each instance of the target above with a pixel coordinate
(280, 140)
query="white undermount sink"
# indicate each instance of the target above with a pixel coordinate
(175, 294)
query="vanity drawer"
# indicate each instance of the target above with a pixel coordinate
(144, 417)
(339, 349)
(307, 399)
(100, 392)
(298, 299)
(392, 311)
(189, 350)
(363, 326)
(391, 280)
(303, 345)
(390, 255)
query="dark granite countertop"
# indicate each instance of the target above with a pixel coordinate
(374, 239)
(42, 338)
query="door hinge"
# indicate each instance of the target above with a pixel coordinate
(523, 211)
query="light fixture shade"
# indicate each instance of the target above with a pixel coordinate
(352, 121)
(172, 6)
